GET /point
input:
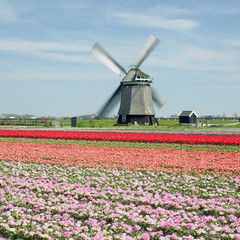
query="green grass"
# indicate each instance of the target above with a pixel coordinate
(176, 146)
(164, 125)
(218, 121)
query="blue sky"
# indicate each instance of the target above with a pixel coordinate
(46, 68)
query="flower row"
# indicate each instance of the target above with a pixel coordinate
(210, 133)
(191, 139)
(43, 201)
(167, 160)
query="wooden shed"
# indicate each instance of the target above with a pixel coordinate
(187, 117)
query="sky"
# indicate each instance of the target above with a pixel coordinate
(46, 68)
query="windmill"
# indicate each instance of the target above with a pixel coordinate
(134, 91)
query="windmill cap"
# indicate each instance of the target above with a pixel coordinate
(133, 74)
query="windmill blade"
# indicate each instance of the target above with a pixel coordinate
(147, 49)
(111, 102)
(158, 99)
(99, 53)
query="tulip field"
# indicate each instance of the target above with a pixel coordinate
(119, 185)
(136, 137)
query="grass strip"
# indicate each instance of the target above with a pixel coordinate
(175, 146)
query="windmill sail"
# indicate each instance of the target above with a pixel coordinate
(158, 99)
(111, 103)
(98, 52)
(147, 49)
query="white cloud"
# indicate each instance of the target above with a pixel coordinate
(200, 58)
(187, 57)
(75, 6)
(164, 10)
(7, 12)
(49, 72)
(222, 8)
(155, 21)
(233, 42)
(28, 46)
(65, 57)
(52, 50)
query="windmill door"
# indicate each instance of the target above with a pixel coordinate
(124, 118)
(148, 120)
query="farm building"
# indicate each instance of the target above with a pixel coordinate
(236, 115)
(187, 117)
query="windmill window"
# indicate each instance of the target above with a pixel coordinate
(143, 78)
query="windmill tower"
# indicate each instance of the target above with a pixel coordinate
(134, 91)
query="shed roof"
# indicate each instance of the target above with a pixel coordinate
(187, 114)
